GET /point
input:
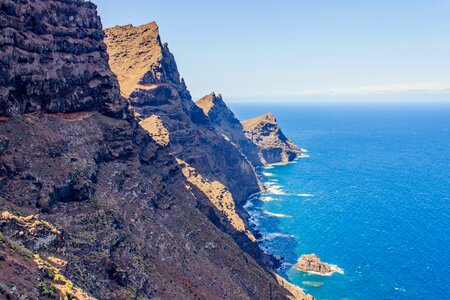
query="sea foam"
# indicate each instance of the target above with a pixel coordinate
(277, 215)
(305, 195)
(274, 235)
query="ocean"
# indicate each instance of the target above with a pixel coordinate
(371, 195)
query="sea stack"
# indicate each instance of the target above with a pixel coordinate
(311, 263)
(274, 146)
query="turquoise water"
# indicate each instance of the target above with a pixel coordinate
(372, 197)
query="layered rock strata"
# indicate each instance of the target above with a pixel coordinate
(91, 205)
(53, 59)
(162, 103)
(149, 77)
(274, 146)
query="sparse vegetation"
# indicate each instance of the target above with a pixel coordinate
(47, 290)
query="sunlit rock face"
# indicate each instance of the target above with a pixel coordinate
(274, 146)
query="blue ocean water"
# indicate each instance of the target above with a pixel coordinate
(373, 197)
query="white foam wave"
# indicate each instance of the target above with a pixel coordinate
(267, 174)
(334, 269)
(277, 215)
(267, 199)
(269, 183)
(276, 190)
(254, 218)
(305, 195)
(274, 235)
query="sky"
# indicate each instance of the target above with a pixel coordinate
(302, 50)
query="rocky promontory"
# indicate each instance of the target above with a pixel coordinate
(274, 146)
(110, 196)
(311, 263)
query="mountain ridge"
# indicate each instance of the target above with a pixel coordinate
(94, 203)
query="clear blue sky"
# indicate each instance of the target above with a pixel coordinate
(302, 49)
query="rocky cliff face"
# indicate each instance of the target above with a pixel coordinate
(91, 205)
(161, 101)
(147, 72)
(274, 146)
(225, 122)
(53, 59)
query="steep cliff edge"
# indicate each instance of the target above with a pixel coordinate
(161, 101)
(225, 122)
(47, 64)
(92, 206)
(157, 89)
(274, 146)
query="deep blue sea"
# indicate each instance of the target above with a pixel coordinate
(373, 197)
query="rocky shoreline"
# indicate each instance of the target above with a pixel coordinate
(114, 184)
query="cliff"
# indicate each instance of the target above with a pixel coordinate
(48, 64)
(274, 146)
(156, 89)
(162, 103)
(225, 122)
(91, 206)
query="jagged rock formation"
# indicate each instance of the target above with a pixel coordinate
(205, 154)
(311, 263)
(48, 64)
(147, 72)
(225, 122)
(92, 206)
(274, 146)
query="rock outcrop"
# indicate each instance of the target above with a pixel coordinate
(274, 146)
(208, 158)
(91, 205)
(225, 122)
(148, 75)
(53, 59)
(311, 263)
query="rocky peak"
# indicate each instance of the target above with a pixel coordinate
(225, 122)
(209, 101)
(140, 59)
(53, 59)
(268, 118)
(274, 146)
(214, 107)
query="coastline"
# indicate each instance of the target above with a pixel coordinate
(253, 219)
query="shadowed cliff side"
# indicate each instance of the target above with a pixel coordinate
(147, 72)
(225, 122)
(164, 107)
(274, 146)
(47, 64)
(92, 206)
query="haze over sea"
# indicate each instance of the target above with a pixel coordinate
(372, 197)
